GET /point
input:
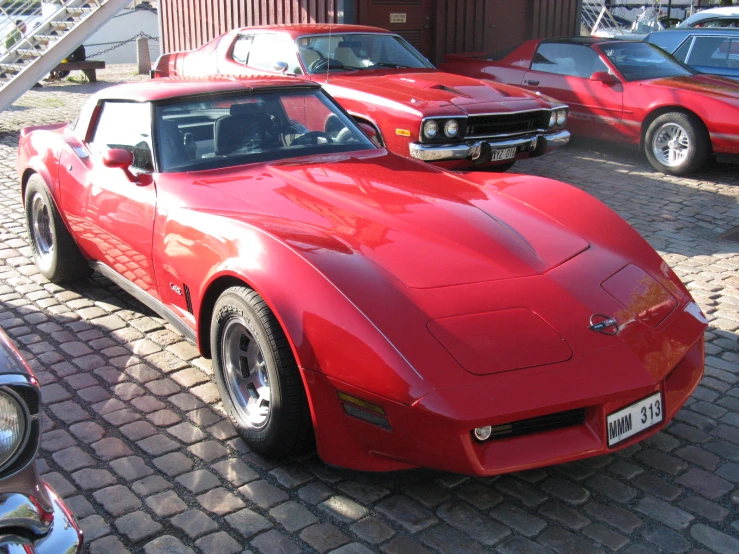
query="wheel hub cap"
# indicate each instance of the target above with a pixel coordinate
(41, 227)
(246, 375)
(671, 144)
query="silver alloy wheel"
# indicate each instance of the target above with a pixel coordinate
(246, 374)
(671, 144)
(43, 239)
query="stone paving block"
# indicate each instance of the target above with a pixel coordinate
(521, 521)
(80, 506)
(342, 508)
(235, 471)
(605, 536)
(117, 500)
(138, 430)
(173, 464)
(563, 542)
(218, 543)
(707, 484)
(274, 542)
(194, 523)
(315, 492)
(150, 485)
(564, 514)
(137, 526)
(404, 545)
(112, 545)
(220, 501)
(566, 491)
(429, 494)
(131, 468)
(111, 448)
(372, 530)
(56, 440)
(165, 504)
(323, 537)
(459, 515)
(291, 477)
(704, 508)
(94, 527)
(158, 444)
(263, 494)
(247, 523)
(73, 458)
(664, 513)
(524, 492)
(92, 479)
(167, 544)
(407, 513)
(520, 545)
(717, 541)
(666, 539)
(208, 450)
(613, 515)
(199, 480)
(187, 433)
(447, 540)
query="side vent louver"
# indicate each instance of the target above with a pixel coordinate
(188, 299)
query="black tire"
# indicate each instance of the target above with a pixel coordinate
(287, 428)
(692, 135)
(54, 251)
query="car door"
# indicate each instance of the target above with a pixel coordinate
(562, 70)
(120, 205)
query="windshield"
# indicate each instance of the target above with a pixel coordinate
(355, 51)
(638, 61)
(229, 130)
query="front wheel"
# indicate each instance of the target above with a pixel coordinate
(257, 375)
(677, 143)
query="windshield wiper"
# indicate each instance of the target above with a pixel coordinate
(388, 64)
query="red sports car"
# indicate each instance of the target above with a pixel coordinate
(624, 91)
(381, 80)
(408, 315)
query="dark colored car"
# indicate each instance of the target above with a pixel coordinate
(710, 50)
(33, 519)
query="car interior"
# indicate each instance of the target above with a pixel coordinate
(260, 127)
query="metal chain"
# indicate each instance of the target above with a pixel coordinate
(118, 44)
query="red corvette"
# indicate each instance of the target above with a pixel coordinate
(408, 315)
(381, 80)
(624, 91)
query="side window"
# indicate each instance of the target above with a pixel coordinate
(270, 49)
(241, 48)
(126, 125)
(573, 60)
(682, 52)
(711, 52)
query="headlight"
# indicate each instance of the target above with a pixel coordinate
(451, 128)
(561, 117)
(12, 427)
(553, 118)
(430, 129)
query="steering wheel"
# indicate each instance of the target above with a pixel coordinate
(323, 63)
(311, 138)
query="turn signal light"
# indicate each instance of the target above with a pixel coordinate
(361, 409)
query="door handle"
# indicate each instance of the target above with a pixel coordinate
(531, 82)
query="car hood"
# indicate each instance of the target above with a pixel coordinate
(426, 227)
(419, 89)
(713, 85)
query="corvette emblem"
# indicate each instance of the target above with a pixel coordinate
(603, 324)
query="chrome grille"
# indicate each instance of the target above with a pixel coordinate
(481, 126)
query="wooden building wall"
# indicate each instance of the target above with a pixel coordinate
(458, 25)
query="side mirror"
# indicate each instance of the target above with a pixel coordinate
(604, 77)
(281, 67)
(123, 159)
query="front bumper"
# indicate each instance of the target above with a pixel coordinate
(435, 431)
(477, 152)
(46, 530)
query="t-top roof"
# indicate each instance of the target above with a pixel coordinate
(304, 29)
(168, 89)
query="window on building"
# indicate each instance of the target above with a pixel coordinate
(562, 58)
(126, 125)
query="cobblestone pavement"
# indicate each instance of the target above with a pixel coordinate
(135, 440)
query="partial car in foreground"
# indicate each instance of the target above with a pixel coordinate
(33, 519)
(624, 91)
(406, 315)
(713, 17)
(381, 80)
(711, 50)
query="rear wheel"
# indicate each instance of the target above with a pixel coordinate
(54, 251)
(257, 375)
(677, 143)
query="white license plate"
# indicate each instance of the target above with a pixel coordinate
(506, 154)
(634, 419)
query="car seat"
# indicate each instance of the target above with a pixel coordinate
(247, 129)
(173, 150)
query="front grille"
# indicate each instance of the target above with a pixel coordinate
(480, 126)
(539, 424)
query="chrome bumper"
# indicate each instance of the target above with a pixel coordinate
(536, 145)
(62, 534)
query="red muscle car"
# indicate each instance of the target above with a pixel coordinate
(381, 80)
(408, 315)
(624, 91)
